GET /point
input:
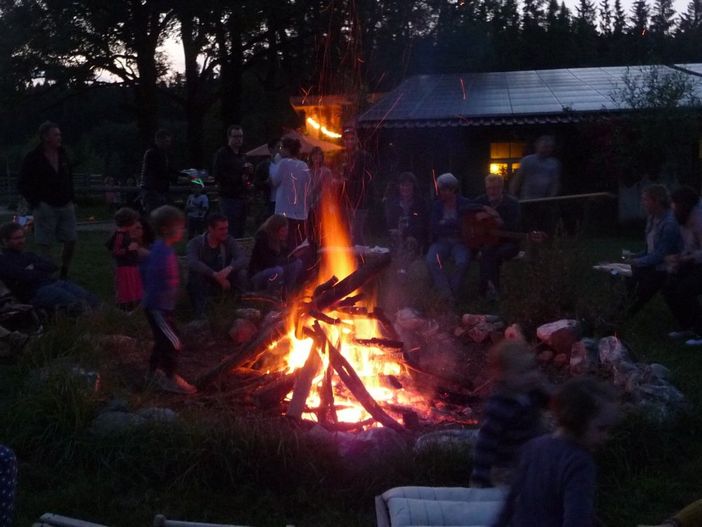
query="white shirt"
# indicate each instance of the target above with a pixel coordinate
(291, 179)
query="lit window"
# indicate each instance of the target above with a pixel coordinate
(504, 158)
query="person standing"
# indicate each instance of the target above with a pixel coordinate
(46, 182)
(196, 208)
(357, 175)
(539, 176)
(291, 178)
(157, 173)
(231, 171)
(160, 292)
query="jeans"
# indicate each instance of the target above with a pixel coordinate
(64, 294)
(644, 283)
(681, 293)
(491, 259)
(448, 281)
(235, 211)
(275, 277)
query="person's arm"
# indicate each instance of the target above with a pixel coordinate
(555, 186)
(193, 257)
(26, 271)
(238, 260)
(276, 173)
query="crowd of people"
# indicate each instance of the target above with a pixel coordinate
(552, 477)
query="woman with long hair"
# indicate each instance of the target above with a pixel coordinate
(271, 266)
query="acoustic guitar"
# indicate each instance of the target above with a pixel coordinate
(480, 231)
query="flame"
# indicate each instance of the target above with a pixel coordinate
(371, 363)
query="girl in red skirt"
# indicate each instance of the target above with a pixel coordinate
(128, 285)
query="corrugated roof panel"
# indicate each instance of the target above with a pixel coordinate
(467, 99)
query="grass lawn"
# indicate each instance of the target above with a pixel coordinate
(223, 463)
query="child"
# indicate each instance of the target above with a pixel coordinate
(196, 208)
(555, 482)
(125, 251)
(162, 279)
(512, 413)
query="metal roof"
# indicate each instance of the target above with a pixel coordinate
(510, 97)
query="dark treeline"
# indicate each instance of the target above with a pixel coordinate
(99, 68)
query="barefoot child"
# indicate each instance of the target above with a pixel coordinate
(555, 482)
(512, 413)
(162, 279)
(125, 252)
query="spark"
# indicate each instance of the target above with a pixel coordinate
(643, 32)
(463, 89)
(438, 260)
(436, 184)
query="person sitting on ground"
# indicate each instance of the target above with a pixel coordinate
(8, 485)
(196, 208)
(555, 482)
(504, 209)
(30, 277)
(512, 413)
(663, 239)
(160, 293)
(216, 263)
(690, 516)
(129, 288)
(271, 266)
(684, 283)
(406, 214)
(447, 239)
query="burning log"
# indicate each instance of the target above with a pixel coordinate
(274, 392)
(350, 378)
(349, 301)
(318, 315)
(351, 283)
(303, 384)
(325, 286)
(327, 410)
(380, 342)
(249, 354)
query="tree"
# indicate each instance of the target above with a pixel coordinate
(606, 18)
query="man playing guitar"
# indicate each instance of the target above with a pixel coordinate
(500, 211)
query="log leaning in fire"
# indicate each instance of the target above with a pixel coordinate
(303, 383)
(350, 378)
(271, 394)
(380, 342)
(351, 283)
(250, 353)
(325, 286)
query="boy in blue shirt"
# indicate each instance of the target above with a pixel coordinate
(160, 293)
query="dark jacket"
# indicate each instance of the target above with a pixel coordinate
(450, 229)
(228, 172)
(25, 272)
(413, 224)
(508, 209)
(38, 181)
(263, 257)
(228, 253)
(156, 171)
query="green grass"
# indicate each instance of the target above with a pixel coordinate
(224, 463)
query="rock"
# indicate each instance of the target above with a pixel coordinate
(545, 356)
(108, 423)
(242, 331)
(583, 357)
(560, 335)
(514, 332)
(448, 439)
(480, 332)
(469, 320)
(611, 350)
(560, 360)
(89, 379)
(270, 318)
(459, 331)
(254, 315)
(656, 371)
